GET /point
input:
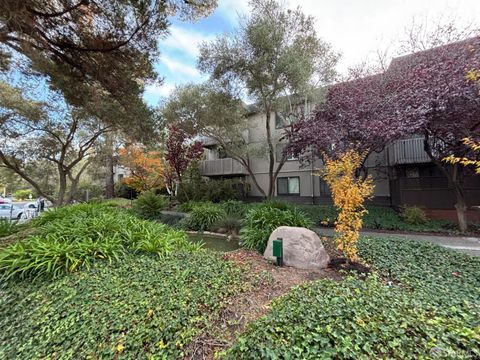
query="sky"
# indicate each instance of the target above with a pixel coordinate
(354, 28)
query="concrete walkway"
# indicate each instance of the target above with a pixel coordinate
(468, 245)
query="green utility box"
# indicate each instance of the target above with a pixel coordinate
(278, 251)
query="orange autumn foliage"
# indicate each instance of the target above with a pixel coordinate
(146, 168)
(349, 194)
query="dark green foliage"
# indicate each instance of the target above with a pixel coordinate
(231, 224)
(75, 236)
(427, 268)
(277, 204)
(150, 205)
(7, 227)
(432, 308)
(211, 190)
(172, 219)
(204, 216)
(124, 191)
(414, 215)
(235, 207)
(187, 206)
(148, 306)
(378, 217)
(260, 221)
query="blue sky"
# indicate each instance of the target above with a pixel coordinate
(179, 50)
(355, 28)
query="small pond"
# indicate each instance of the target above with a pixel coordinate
(217, 243)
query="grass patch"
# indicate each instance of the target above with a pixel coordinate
(73, 237)
(431, 310)
(140, 307)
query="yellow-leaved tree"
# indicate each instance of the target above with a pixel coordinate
(145, 167)
(475, 147)
(349, 193)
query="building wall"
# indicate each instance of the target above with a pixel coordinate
(307, 174)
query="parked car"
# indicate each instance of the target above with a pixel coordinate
(5, 200)
(9, 211)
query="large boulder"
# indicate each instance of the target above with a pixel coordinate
(302, 248)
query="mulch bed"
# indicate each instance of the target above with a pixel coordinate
(265, 282)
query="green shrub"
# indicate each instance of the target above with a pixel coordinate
(431, 307)
(150, 205)
(23, 194)
(122, 190)
(172, 219)
(211, 190)
(231, 224)
(414, 215)
(187, 206)
(75, 236)
(204, 216)
(7, 227)
(262, 220)
(324, 215)
(152, 309)
(277, 204)
(234, 208)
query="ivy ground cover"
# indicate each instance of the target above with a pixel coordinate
(423, 302)
(142, 306)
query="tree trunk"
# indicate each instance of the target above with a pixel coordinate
(455, 179)
(62, 186)
(271, 157)
(461, 205)
(109, 162)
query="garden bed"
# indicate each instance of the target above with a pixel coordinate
(159, 295)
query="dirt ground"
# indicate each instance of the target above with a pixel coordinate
(265, 282)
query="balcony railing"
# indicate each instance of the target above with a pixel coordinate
(407, 151)
(219, 167)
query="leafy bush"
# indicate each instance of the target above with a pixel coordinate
(75, 236)
(324, 215)
(205, 216)
(23, 194)
(434, 309)
(414, 215)
(378, 217)
(231, 224)
(152, 308)
(187, 206)
(172, 219)
(7, 227)
(235, 208)
(262, 220)
(277, 204)
(122, 190)
(150, 205)
(211, 190)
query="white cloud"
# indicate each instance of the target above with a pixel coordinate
(186, 41)
(359, 28)
(178, 67)
(159, 90)
(231, 9)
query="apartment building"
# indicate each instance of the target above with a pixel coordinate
(403, 172)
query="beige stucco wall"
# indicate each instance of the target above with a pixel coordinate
(309, 184)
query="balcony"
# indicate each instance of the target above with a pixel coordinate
(221, 167)
(407, 151)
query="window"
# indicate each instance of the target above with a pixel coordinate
(279, 153)
(288, 185)
(324, 188)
